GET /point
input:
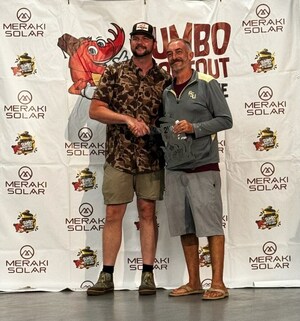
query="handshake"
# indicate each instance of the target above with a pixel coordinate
(137, 126)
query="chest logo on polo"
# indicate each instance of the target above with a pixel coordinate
(192, 94)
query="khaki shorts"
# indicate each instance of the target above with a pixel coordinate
(119, 187)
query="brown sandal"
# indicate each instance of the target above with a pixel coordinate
(222, 294)
(186, 290)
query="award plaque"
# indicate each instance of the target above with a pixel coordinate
(177, 149)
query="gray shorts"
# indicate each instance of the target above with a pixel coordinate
(194, 203)
(119, 187)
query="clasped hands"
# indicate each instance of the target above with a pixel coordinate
(137, 126)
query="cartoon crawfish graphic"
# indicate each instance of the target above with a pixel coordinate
(88, 58)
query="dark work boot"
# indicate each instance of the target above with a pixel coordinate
(147, 286)
(104, 285)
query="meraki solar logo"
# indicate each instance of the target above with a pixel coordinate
(268, 181)
(27, 264)
(24, 109)
(85, 222)
(23, 27)
(85, 146)
(262, 24)
(266, 104)
(271, 259)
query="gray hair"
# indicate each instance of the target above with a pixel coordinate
(184, 41)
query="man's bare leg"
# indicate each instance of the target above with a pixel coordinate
(148, 238)
(112, 233)
(148, 230)
(216, 247)
(190, 245)
(112, 238)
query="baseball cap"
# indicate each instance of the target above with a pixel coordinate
(143, 28)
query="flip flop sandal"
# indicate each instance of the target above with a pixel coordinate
(187, 290)
(222, 294)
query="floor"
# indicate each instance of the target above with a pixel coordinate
(271, 304)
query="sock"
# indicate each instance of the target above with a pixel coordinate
(147, 268)
(108, 269)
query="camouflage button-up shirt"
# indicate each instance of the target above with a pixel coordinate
(127, 92)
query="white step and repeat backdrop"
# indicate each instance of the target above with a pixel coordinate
(51, 153)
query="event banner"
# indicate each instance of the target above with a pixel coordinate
(52, 56)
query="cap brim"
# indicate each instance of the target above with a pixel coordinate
(141, 32)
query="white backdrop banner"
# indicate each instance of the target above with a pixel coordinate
(52, 154)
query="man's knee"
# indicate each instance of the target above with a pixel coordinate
(115, 212)
(146, 210)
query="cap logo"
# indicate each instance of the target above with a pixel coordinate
(142, 26)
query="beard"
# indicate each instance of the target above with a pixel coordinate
(146, 51)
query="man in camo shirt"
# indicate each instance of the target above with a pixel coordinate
(128, 100)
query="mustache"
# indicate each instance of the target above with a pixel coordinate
(175, 60)
(140, 46)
